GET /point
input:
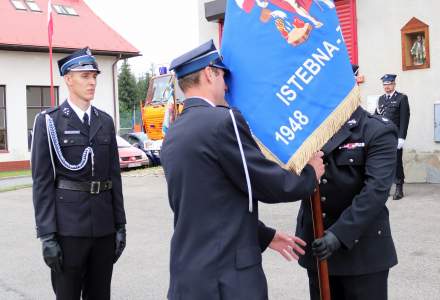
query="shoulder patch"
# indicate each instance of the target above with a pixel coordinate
(99, 112)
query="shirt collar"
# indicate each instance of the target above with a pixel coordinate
(206, 100)
(79, 112)
(391, 94)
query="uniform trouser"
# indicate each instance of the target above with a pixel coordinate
(357, 287)
(400, 176)
(87, 267)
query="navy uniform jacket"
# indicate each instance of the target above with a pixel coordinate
(397, 110)
(360, 164)
(76, 213)
(215, 248)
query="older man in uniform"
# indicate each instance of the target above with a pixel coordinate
(77, 190)
(215, 174)
(360, 164)
(395, 107)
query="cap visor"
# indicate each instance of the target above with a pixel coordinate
(220, 65)
(87, 68)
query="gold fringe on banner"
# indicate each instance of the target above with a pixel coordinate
(321, 135)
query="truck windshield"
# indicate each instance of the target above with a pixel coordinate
(160, 94)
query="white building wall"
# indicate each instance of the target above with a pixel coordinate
(379, 42)
(20, 69)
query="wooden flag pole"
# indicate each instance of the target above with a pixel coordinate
(318, 230)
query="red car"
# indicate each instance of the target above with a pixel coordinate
(129, 156)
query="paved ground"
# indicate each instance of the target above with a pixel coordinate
(142, 272)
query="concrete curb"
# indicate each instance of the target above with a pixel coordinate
(17, 182)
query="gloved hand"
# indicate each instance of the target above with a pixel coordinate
(400, 143)
(323, 247)
(120, 241)
(52, 254)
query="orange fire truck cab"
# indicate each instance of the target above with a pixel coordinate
(163, 103)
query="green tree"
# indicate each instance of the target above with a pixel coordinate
(128, 96)
(142, 85)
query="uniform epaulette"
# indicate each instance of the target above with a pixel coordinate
(49, 110)
(97, 112)
(223, 106)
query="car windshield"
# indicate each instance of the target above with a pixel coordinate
(122, 143)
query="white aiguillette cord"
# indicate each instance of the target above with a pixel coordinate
(52, 136)
(243, 158)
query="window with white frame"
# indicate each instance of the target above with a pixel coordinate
(65, 10)
(37, 100)
(32, 5)
(18, 4)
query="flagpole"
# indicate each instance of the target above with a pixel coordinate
(50, 34)
(52, 90)
(318, 230)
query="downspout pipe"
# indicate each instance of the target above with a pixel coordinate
(114, 74)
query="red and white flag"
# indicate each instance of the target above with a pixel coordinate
(49, 22)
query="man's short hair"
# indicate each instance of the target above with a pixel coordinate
(189, 81)
(193, 79)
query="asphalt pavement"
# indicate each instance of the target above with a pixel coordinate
(142, 271)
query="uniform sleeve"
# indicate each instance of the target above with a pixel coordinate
(404, 117)
(115, 174)
(270, 183)
(43, 187)
(380, 169)
(265, 235)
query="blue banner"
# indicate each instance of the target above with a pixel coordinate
(291, 75)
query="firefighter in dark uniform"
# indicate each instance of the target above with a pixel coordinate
(77, 190)
(214, 181)
(395, 107)
(360, 165)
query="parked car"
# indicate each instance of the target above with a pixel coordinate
(151, 148)
(129, 156)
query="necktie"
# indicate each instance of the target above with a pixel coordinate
(388, 97)
(86, 120)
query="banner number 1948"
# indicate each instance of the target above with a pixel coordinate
(286, 133)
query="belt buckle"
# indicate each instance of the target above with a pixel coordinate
(95, 187)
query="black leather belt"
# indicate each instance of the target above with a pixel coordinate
(93, 187)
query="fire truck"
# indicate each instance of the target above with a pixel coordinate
(163, 103)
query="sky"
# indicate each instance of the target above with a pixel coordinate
(160, 29)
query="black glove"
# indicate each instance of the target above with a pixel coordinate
(120, 241)
(52, 254)
(323, 247)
